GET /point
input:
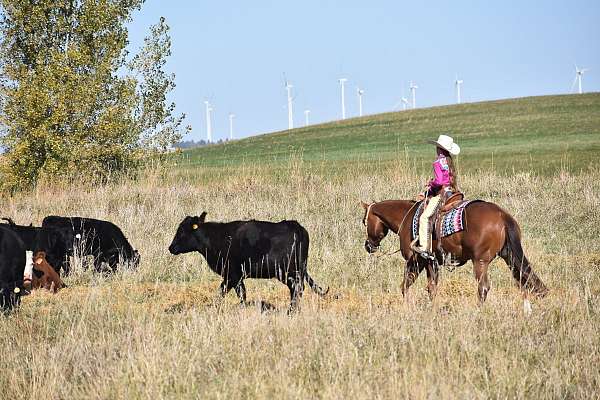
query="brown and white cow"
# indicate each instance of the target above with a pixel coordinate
(42, 275)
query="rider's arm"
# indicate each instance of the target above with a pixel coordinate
(441, 174)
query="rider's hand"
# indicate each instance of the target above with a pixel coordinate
(420, 197)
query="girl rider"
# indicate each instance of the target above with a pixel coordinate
(438, 190)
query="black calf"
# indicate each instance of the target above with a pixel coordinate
(249, 249)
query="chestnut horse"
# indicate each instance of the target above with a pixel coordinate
(490, 232)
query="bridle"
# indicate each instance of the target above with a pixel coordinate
(373, 246)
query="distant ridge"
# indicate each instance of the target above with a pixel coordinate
(562, 131)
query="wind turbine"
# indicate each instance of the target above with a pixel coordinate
(306, 112)
(578, 76)
(289, 87)
(209, 109)
(342, 82)
(413, 91)
(458, 82)
(404, 103)
(360, 93)
(231, 117)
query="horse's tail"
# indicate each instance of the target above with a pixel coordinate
(512, 253)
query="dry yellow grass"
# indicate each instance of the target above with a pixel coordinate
(159, 333)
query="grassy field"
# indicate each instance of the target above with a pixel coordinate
(537, 134)
(159, 332)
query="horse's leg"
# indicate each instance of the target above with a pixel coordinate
(411, 273)
(480, 269)
(432, 280)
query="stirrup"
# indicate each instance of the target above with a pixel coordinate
(419, 250)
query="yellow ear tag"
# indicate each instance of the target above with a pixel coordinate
(17, 290)
(195, 226)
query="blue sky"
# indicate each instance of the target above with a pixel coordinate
(235, 54)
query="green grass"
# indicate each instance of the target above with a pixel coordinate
(538, 134)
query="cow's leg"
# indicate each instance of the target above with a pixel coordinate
(240, 290)
(65, 266)
(296, 285)
(98, 260)
(224, 288)
(112, 259)
(232, 281)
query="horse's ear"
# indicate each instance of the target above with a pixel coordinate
(364, 205)
(202, 217)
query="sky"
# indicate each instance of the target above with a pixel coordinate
(236, 54)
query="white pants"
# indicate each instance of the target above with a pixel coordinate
(424, 222)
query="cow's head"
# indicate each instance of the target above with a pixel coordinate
(188, 236)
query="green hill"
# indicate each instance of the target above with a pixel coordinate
(541, 134)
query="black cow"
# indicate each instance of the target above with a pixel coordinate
(12, 268)
(49, 240)
(93, 237)
(249, 249)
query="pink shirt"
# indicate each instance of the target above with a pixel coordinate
(441, 172)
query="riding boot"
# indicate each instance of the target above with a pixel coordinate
(424, 250)
(427, 253)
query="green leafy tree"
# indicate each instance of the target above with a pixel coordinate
(69, 106)
(157, 127)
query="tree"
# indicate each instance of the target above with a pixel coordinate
(69, 105)
(157, 128)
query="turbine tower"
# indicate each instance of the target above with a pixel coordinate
(458, 82)
(306, 112)
(208, 124)
(360, 93)
(342, 82)
(289, 87)
(578, 77)
(231, 117)
(413, 91)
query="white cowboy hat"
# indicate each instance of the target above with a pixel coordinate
(446, 143)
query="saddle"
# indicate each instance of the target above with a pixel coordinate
(452, 202)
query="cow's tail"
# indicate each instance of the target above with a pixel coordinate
(512, 253)
(314, 286)
(304, 243)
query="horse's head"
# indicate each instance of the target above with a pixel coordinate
(374, 228)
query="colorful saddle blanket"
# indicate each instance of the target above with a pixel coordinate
(453, 221)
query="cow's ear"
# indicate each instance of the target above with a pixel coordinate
(202, 217)
(364, 205)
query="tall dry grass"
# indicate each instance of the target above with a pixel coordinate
(159, 333)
